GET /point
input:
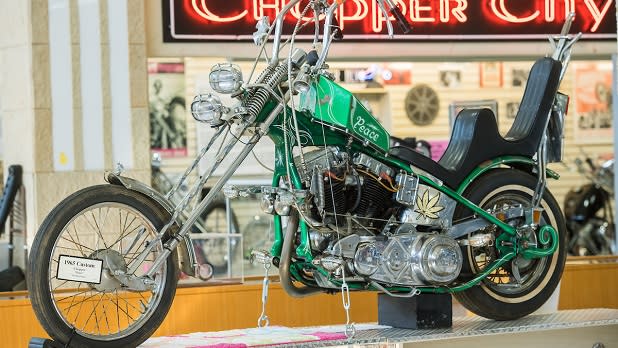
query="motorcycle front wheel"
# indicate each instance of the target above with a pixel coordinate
(522, 286)
(110, 225)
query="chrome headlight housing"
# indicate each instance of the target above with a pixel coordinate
(208, 108)
(225, 78)
(302, 83)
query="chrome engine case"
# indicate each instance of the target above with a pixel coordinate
(409, 259)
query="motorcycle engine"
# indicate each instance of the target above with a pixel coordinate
(349, 192)
(355, 215)
(409, 259)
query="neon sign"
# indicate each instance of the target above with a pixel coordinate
(200, 20)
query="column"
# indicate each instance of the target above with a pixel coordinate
(73, 97)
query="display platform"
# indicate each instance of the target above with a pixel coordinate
(596, 328)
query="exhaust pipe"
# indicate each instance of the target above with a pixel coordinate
(286, 260)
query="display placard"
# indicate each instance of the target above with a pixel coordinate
(231, 20)
(79, 269)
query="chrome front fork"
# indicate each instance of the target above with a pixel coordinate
(173, 242)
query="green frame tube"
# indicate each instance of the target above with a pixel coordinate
(319, 135)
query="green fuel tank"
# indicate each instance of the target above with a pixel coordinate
(334, 105)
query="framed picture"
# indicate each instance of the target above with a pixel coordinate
(490, 74)
(519, 77)
(450, 78)
(456, 107)
(397, 74)
(512, 108)
(593, 104)
(167, 108)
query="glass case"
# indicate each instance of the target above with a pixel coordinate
(225, 235)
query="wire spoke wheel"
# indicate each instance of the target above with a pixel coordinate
(107, 226)
(422, 105)
(116, 234)
(503, 279)
(520, 286)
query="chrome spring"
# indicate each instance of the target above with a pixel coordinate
(261, 96)
(257, 102)
(264, 75)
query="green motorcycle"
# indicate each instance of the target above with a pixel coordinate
(353, 208)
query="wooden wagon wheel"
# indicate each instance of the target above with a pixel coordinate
(422, 105)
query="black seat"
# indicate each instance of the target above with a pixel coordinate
(475, 137)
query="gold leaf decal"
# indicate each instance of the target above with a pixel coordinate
(426, 206)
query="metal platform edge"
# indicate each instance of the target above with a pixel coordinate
(595, 328)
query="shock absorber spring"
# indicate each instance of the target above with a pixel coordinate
(261, 96)
(264, 75)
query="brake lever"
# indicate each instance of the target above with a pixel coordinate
(395, 11)
(337, 30)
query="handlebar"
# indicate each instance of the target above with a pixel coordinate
(338, 31)
(602, 175)
(567, 24)
(401, 20)
(395, 11)
(278, 29)
(330, 21)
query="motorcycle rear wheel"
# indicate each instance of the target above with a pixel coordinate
(113, 224)
(500, 296)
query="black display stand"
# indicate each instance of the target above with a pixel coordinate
(424, 311)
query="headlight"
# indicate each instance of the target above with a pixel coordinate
(208, 108)
(225, 78)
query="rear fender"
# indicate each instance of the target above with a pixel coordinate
(186, 253)
(523, 163)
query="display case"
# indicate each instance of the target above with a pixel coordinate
(225, 235)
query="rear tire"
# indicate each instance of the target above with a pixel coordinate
(100, 222)
(499, 296)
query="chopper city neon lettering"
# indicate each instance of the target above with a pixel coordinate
(593, 12)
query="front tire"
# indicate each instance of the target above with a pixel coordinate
(110, 223)
(501, 296)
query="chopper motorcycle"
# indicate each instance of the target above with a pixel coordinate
(353, 208)
(588, 210)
